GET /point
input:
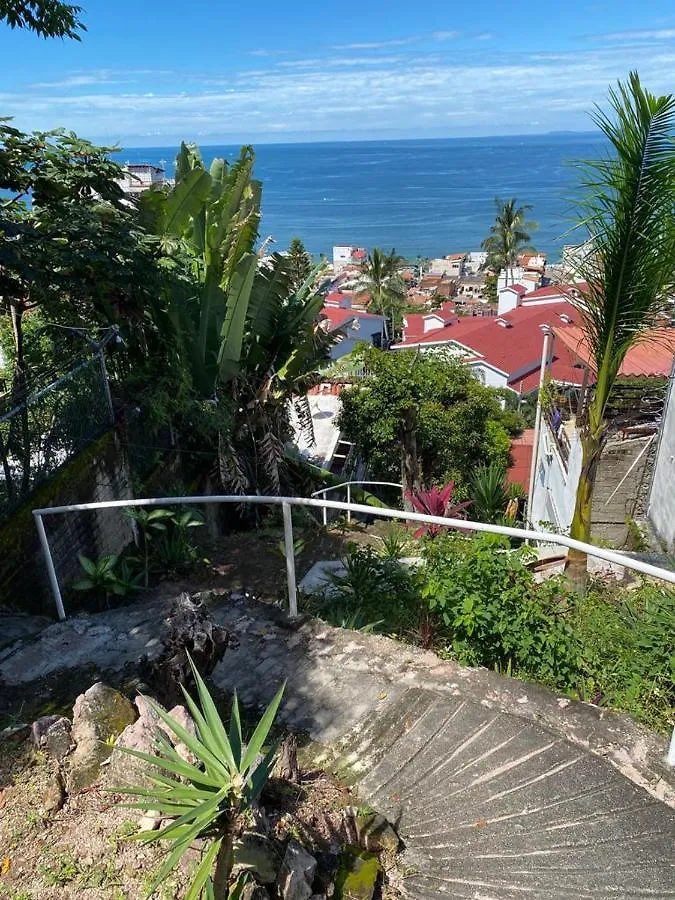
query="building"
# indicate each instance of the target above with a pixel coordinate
(357, 324)
(623, 478)
(661, 502)
(140, 177)
(503, 351)
(347, 256)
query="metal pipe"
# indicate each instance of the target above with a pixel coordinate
(289, 547)
(49, 562)
(548, 334)
(614, 556)
(349, 503)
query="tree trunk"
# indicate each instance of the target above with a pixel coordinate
(19, 392)
(576, 568)
(410, 473)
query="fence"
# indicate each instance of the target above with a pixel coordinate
(287, 503)
(348, 486)
(51, 426)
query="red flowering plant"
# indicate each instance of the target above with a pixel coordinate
(437, 502)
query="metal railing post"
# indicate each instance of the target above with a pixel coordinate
(349, 502)
(290, 559)
(51, 571)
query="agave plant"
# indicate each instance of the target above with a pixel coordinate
(205, 799)
(437, 502)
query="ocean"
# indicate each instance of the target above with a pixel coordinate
(421, 197)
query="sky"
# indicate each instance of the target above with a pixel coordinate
(217, 72)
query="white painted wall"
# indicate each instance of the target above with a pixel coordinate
(488, 375)
(554, 487)
(507, 299)
(661, 504)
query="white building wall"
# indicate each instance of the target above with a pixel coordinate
(661, 503)
(488, 376)
(507, 300)
(555, 487)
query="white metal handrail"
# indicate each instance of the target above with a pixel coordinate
(348, 485)
(286, 503)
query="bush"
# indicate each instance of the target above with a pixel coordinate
(493, 614)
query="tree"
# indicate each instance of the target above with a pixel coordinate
(250, 342)
(508, 236)
(300, 261)
(380, 279)
(46, 18)
(422, 419)
(630, 270)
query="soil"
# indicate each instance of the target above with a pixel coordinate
(84, 850)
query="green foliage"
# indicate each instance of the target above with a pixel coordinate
(376, 593)
(508, 236)
(107, 576)
(628, 650)
(489, 494)
(46, 18)
(457, 421)
(381, 281)
(492, 612)
(396, 543)
(301, 264)
(205, 799)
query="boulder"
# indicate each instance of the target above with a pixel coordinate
(375, 833)
(99, 716)
(357, 876)
(255, 853)
(52, 734)
(297, 873)
(54, 796)
(127, 770)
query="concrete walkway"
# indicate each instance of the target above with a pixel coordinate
(500, 788)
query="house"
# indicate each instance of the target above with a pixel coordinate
(517, 294)
(624, 474)
(345, 256)
(503, 351)
(661, 501)
(139, 177)
(451, 266)
(357, 325)
(475, 262)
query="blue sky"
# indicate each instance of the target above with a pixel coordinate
(218, 72)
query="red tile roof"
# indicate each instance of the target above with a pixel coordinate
(452, 256)
(521, 458)
(338, 317)
(652, 356)
(517, 288)
(514, 350)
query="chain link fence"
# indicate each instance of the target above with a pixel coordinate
(52, 425)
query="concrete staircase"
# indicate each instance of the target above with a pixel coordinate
(491, 807)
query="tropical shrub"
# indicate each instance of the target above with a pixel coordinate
(106, 576)
(437, 502)
(493, 613)
(208, 798)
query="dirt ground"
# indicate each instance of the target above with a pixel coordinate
(84, 849)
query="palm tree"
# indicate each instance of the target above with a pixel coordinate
(381, 280)
(508, 236)
(630, 217)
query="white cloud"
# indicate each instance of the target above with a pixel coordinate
(663, 34)
(377, 45)
(361, 94)
(485, 36)
(445, 35)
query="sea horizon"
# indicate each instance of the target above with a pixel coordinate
(422, 196)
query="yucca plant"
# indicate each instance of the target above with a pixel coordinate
(490, 497)
(205, 799)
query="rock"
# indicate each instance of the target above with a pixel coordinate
(297, 873)
(52, 734)
(357, 875)
(150, 820)
(125, 769)
(255, 853)
(99, 716)
(187, 629)
(55, 795)
(375, 833)
(254, 891)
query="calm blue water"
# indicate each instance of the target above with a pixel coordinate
(427, 197)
